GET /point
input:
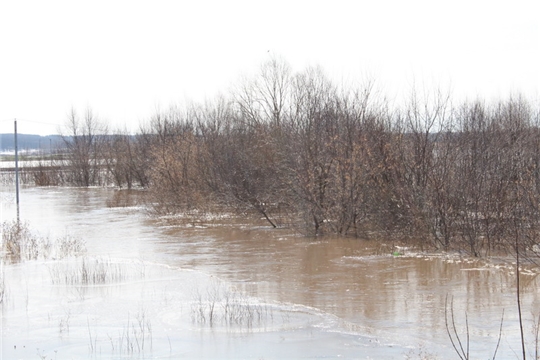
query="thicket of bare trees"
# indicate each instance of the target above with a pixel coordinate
(84, 149)
(91, 156)
(297, 150)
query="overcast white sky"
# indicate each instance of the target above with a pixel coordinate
(126, 58)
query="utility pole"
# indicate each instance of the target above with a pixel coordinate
(17, 171)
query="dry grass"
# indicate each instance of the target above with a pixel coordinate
(94, 271)
(3, 288)
(221, 305)
(132, 341)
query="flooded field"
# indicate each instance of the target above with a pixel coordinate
(227, 288)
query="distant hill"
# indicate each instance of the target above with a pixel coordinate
(29, 142)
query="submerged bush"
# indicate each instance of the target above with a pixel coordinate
(19, 243)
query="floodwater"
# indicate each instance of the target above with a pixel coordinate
(223, 287)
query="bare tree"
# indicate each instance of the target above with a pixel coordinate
(175, 178)
(241, 162)
(118, 158)
(84, 145)
(264, 98)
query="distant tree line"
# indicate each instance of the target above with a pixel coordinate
(29, 143)
(297, 150)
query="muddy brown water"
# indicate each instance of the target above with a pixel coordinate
(361, 301)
